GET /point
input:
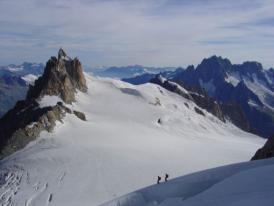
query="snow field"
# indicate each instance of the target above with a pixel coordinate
(121, 147)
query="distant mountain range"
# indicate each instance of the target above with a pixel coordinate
(128, 71)
(14, 81)
(22, 69)
(247, 84)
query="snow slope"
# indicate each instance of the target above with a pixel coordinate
(250, 183)
(120, 147)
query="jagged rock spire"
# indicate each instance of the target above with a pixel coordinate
(62, 54)
(62, 77)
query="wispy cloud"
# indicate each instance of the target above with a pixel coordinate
(150, 32)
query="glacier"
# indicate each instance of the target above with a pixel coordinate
(120, 148)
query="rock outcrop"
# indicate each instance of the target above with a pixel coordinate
(267, 151)
(209, 104)
(62, 77)
(170, 86)
(24, 123)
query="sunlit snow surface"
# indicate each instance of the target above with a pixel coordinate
(120, 148)
(250, 183)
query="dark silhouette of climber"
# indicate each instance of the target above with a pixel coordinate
(166, 177)
(159, 179)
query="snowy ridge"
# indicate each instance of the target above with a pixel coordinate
(120, 148)
(249, 183)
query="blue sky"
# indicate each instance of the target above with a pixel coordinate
(148, 32)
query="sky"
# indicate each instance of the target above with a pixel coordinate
(147, 32)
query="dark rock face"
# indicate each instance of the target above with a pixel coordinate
(236, 115)
(61, 77)
(170, 86)
(27, 119)
(267, 151)
(209, 104)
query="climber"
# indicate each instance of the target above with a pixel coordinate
(159, 179)
(166, 177)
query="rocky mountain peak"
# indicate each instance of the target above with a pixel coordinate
(217, 61)
(62, 54)
(215, 67)
(250, 68)
(62, 77)
(190, 67)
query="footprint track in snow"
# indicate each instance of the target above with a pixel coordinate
(62, 176)
(38, 194)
